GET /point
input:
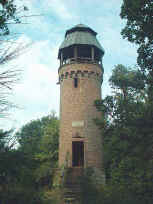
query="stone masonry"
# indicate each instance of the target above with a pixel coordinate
(77, 112)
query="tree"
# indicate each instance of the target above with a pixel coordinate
(30, 135)
(9, 50)
(38, 139)
(15, 172)
(138, 15)
(48, 156)
(25, 170)
(127, 133)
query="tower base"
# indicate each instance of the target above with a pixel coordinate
(70, 182)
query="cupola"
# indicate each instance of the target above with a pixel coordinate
(80, 46)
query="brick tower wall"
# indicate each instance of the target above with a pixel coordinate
(77, 112)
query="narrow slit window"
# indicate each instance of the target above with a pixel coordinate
(75, 82)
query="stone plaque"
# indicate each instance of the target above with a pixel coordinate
(78, 123)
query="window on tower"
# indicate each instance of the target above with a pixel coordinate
(75, 82)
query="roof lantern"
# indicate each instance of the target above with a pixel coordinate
(83, 39)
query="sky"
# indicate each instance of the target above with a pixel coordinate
(37, 94)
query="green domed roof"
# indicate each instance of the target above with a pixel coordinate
(80, 35)
(81, 26)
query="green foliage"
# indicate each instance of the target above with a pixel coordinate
(48, 155)
(25, 169)
(138, 30)
(128, 135)
(108, 194)
(8, 14)
(126, 78)
(15, 172)
(24, 172)
(4, 140)
(138, 16)
(89, 192)
(31, 134)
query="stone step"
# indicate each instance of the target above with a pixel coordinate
(69, 195)
(72, 189)
(72, 183)
(72, 193)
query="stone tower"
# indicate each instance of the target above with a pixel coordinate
(80, 79)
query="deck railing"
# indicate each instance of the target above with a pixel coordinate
(80, 60)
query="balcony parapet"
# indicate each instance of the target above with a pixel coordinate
(81, 60)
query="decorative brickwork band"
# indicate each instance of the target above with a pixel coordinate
(79, 74)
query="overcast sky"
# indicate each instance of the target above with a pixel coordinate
(37, 94)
